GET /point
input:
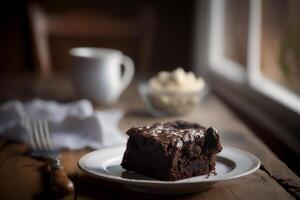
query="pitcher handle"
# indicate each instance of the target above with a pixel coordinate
(128, 72)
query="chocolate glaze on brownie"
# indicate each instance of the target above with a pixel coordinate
(171, 150)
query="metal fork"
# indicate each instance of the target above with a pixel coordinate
(41, 147)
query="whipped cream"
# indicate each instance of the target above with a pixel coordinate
(176, 81)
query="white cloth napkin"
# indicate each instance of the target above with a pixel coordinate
(72, 126)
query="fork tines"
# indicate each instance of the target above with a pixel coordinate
(38, 132)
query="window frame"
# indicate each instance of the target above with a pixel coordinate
(256, 79)
(251, 76)
(240, 91)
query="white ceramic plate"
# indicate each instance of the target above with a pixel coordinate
(105, 164)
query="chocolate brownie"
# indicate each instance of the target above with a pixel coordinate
(172, 150)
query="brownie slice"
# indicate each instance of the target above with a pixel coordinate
(172, 150)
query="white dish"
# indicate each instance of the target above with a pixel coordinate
(156, 105)
(105, 164)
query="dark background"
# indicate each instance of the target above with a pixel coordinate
(172, 34)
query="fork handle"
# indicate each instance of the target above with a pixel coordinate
(61, 185)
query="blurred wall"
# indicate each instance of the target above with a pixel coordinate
(13, 37)
(171, 46)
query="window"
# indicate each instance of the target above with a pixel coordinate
(271, 56)
(280, 42)
(257, 44)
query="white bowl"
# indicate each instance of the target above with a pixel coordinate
(169, 103)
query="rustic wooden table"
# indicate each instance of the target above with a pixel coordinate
(23, 177)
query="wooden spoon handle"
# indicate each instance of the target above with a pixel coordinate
(61, 185)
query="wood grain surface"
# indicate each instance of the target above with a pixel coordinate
(23, 177)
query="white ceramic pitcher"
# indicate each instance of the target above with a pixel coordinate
(97, 73)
